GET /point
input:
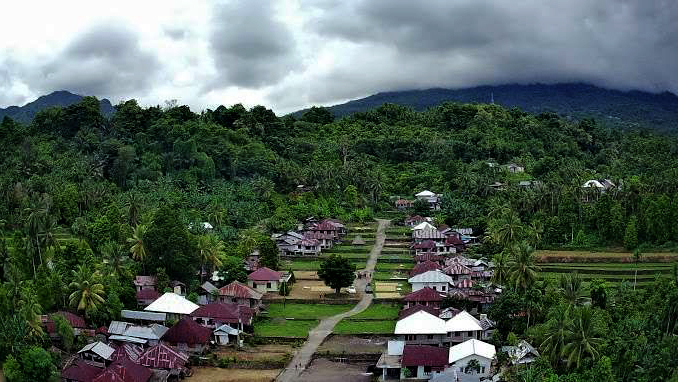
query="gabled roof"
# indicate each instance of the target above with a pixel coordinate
(459, 260)
(434, 276)
(145, 281)
(147, 294)
(73, 319)
(264, 274)
(152, 332)
(231, 312)
(593, 183)
(227, 330)
(416, 308)
(208, 287)
(128, 371)
(423, 295)
(324, 226)
(239, 290)
(462, 322)
(486, 323)
(457, 269)
(422, 226)
(428, 257)
(144, 316)
(424, 267)
(420, 322)
(448, 313)
(172, 303)
(118, 327)
(99, 348)
(109, 375)
(425, 194)
(127, 350)
(162, 356)
(80, 371)
(426, 244)
(471, 347)
(424, 355)
(335, 222)
(187, 331)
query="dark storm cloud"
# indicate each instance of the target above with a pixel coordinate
(106, 60)
(250, 47)
(619, 44)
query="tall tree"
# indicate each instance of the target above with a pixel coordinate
(583, 339)
(337, 272)
(88, 292)
(524, 269)
(210, 251)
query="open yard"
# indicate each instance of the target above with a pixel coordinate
(312, 289)
(279, 327)
(257, 353)
(378, 312)
(337, 344)
(347, 326)
(550, 256)
(327, 371)
(215, 374)
(306, 311)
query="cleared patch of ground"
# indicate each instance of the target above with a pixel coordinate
(327, 371)
(215, 374)
(338, 344)
(256, 353)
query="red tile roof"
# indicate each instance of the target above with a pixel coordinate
(264, 274)
(423, 295)
(424, 267)
(426, 244)
(162, 356)
(414, 309)
(324, 226)
(415, 218)
(147, 294)
(130, 371)
(239, 290)
(225, 312)
(74, 320)
(80, 371)
(422, 355)
(188, 332)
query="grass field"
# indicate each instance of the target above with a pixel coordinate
(378, 312)
(313, 265)
(306, 311)
(284, 328)
(551, 256)
(365, 327)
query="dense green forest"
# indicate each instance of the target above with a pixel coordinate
(88, 202)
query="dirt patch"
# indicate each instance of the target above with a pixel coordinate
(255, 353)
(306, 275)
(387, 295)
(349, 344)
(215, 374)
(327, 371)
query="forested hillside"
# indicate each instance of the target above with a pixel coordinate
(62, 98)
(612, 107)
(81, 192)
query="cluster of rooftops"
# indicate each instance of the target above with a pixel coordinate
(310, 238)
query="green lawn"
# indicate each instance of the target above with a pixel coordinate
(341, 249)
(314, 265)
(394, 266)
(365, 327)
(286, 328)
(378, 312)
(306, 311)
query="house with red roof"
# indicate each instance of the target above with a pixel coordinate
(424, 296)
(266, 280)
(430, 257)
(164, 357)
(424, 361)
(404, 204)
(145, 297)
(77, 323)
(326, 240)
(406, 312)
(79, 371)
(240, 294)
(424, 247)
(424, 267)
(124, 370)
(187, 335)
(327, 227)
(458, 272)
(215, 314)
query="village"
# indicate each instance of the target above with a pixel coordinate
(418, 334)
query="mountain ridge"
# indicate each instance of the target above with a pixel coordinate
(633, 108)
(59, 98)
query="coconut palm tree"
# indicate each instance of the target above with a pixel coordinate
(210, 250)
(582, 338)
(571, 287)
(501, 267)
(138, 248)
(557, 331)
(507, 229)
(134, 206)
(30, 309)
(524, 269)
(87, 291)
(115, 258)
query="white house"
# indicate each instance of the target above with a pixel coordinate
(421, 328)
(422, 226)
(430, 197)
(462, 327)
(266, 280)
(435, 279)
(462, 354)
(224, 334)
(173, 304)
(96, 354)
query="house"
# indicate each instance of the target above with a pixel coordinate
(251, 261)
(124, 370)
(424, 267)
(77, 323)
(389, 361)
(416, 308)
(458, 272)
(207, 293)
(515, 169)
(429, 257)
(326, 240)
(174, 305)
(454, 244)
(146, 296)
(341, 228)
(165, 357)
(188, 335)
(421, 328)
(79, 371)
(435, 279)
(96, 354)
(463, 326)
(326, 227)
(425, 297)
(145, 282)
(428, 233)
(127, 350)
(239, 293)
(412, 221)
(430, 197)
(294, 244)
(497, 186)
(424, 247)
(465, 261)
(144, 335)
(488, 327)
(423, 225)
(225, 334)
(423, 361)
(266, 280)
(404, 204)
(593, 188)
(215, 314)
(141, 316)
(461, 354)
(521, 354)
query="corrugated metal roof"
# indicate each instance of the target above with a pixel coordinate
(472, 347)
(420, 323)
(146, 316)
(134, 340)
(434, 276)
(99, 348)
(118, 327)
(172, 303)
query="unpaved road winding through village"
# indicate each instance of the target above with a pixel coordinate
(318, 334)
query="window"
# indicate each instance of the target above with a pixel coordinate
(449, 334)
(268, 286)
(234, 300)
(482, 370)
(410, 337)
(430, 336)
(470, 334)
(456, 334)
(434, 287)
(442, 288)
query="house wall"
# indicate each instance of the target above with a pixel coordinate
(459, 337)
(423, 339)
(262, 286)
(484, 362)
(441, 287)
(410, 304)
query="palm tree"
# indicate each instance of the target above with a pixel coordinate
(507, 229)
(571, 287)
(501, 267)
(115, 257)
(87, 291)
(48, 237)
(210, 249)
(30, 309)
(557, 330)
(133, 204)
(216, 214)
(582, 338)
(524, 270)
(138, 249)
(637, 255)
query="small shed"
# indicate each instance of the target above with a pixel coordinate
(358, 240)
(224, 334)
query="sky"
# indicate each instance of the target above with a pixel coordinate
(290, 54)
